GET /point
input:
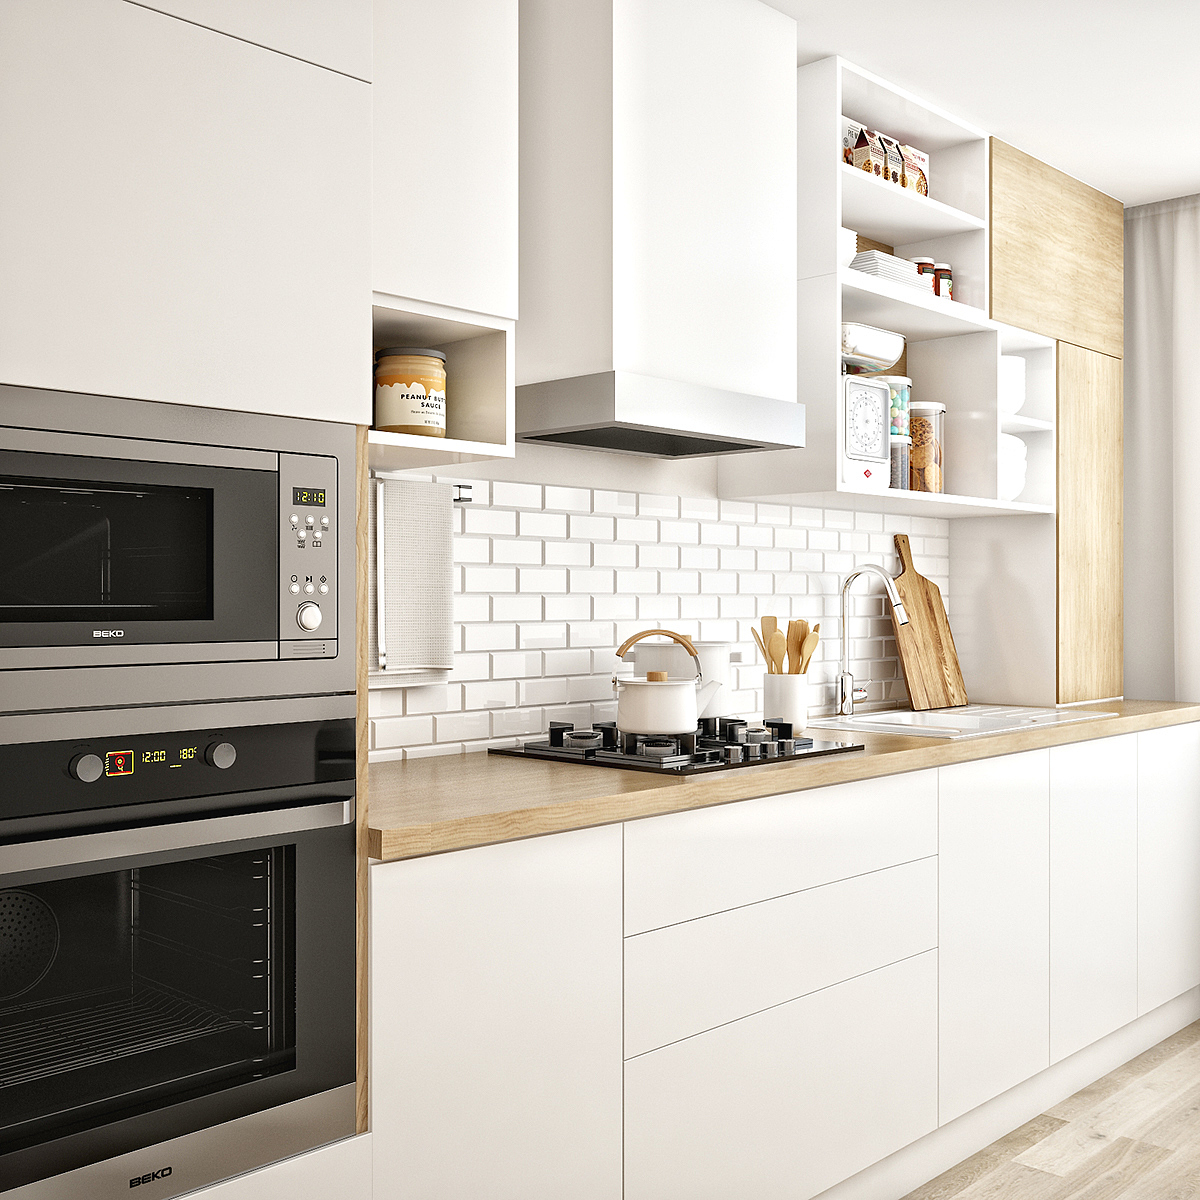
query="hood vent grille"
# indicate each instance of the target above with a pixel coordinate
(624, 413)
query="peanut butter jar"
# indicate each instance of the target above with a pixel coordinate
(410, 391)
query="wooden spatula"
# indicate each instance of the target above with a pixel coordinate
(766, 657)
(797, 632)
(777, 648)
(809, 649)
(769, 625)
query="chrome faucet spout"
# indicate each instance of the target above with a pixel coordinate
(845, 691)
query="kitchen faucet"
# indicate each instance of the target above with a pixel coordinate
(845, 689)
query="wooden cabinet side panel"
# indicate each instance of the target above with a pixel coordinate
(496, 1021)
(993, 927)
(1057, 256)
(1090, 509)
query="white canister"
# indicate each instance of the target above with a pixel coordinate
(715, 659)
(785, 698)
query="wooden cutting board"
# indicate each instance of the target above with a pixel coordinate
(926, 644)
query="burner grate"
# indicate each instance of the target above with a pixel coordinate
(50, 1045)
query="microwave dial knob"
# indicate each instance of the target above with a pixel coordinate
(308, 616)
(221, 755)
(87, 767)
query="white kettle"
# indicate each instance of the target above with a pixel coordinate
(657, 705)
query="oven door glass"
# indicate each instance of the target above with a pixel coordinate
(101, 549)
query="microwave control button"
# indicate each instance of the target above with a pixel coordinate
(302, 534)
(294, 589)
(308, 616)
(325, 522)
(310, 520)
(295, 519)
(221, 755)
(87, 767)
(309, 589)
(324, 589)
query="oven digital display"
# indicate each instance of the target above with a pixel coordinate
(314, 497)
(124, 762)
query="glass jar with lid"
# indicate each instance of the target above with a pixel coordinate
(410, 391)
(926, 457)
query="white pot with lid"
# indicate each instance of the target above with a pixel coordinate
(659, 705)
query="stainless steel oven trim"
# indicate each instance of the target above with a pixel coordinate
(94, 446)
(114, 844)
(169, 718)
(22, 658)
(210, 1155)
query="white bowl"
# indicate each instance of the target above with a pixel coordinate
(869, 348)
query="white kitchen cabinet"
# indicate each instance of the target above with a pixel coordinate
(186, 215)
(342, 1169)
(444, 103)
(658, 193)
(496, 1021)
(686, 865)
(994, 927)
(788, 1102)
(330, 33)
(1168, 863)
(1093, 891)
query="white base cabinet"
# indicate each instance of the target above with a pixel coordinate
(496, 1021)
(1168, 863)
(342, 1170)
(994, 927)
(1093, 891)
(790, 1101)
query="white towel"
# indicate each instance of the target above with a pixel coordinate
(418, 616)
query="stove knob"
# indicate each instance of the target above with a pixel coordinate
(221, 755)
(308, 616)
(87, 768)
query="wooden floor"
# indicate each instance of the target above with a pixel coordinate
(1135, 1134)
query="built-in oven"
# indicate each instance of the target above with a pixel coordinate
(157, 553)
(177, 945)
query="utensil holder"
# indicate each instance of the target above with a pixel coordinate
(785, 698)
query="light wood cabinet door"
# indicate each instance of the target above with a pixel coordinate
(342, 1170)
(1058, 246)
(786, 1103)
(993, 927)
(185, 216)
(444, 100)
(1093, 891)
(496, 1021)
(1090, 508)
(1168, 864)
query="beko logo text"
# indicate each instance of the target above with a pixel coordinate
(102, 633)
(162, 1173)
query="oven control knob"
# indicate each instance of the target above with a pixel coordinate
(221, 755)
(87, 767)
(308, 616)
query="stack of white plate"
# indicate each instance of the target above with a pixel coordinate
(888, 266)
(1012, 464)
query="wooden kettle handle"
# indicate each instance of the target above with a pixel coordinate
(905, 551)
(682, 639)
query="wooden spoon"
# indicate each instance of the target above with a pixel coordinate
(761, 647)
(777, 647)
(808, 649)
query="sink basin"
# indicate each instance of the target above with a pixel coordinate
(969, 720)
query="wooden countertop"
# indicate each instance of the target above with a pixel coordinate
(431, 805)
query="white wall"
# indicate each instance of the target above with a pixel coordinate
(550, 579)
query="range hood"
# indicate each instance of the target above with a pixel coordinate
(626, 413)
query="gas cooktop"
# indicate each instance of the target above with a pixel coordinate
(718, 744)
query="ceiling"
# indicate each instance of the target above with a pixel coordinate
(1105, 91)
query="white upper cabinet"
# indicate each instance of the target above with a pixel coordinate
(330, 33)
(185, 215)
(445, 153)
(658, 192)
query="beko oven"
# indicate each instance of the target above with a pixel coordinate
(141, 536)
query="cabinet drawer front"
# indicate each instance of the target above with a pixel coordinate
(687, 978)
(688, 865)
(791, 1101)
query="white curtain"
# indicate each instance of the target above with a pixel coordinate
(1162, 450)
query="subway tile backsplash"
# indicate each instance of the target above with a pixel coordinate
(550, 580)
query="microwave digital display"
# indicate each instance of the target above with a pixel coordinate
(314, 497)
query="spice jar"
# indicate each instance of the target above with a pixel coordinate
(410, 391)
(924, 265)
(926, 424)
(901, 448)
(943, 281)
